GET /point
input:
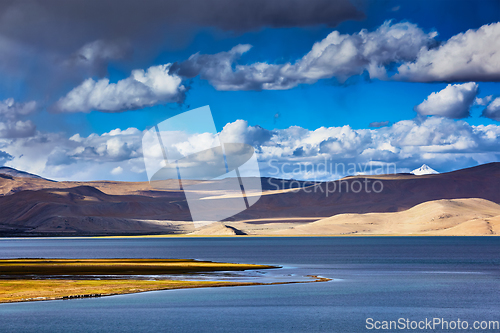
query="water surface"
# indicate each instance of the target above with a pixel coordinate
(384, 278)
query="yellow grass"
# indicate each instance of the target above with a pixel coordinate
(27, 278)
(15, 267)
(37, 290)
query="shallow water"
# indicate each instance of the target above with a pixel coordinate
(384, 278)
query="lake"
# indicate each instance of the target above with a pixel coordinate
(383, 278)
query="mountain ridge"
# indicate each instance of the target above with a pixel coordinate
(38, 207)
(20, 174)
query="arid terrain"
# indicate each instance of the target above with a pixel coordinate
(463, 202)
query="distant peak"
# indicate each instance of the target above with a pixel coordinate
(424, 170)
(17, 173)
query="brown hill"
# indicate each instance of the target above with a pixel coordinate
(399, 192)
(35, 206)
(85, 210)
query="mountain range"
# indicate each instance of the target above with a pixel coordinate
(462, 202)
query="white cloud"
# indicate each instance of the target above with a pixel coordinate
(443, 143)
(239, 131)
(338, 55)
(116, 171)
(469, 56)
(140, 89)
(483, 101)
(454, 101)
(492, 111)
(342, 56)
(78, 158)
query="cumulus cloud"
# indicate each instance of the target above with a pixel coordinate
(240, 132)
(115, 146)
(55, 156)
(443, 143)
(140, 89)
(492, 111)
(469, 56)
(338, 55)
(454, 101)
(483, 101)
(116, 171)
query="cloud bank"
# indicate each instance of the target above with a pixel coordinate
(59, 22)
(469, 56)
(394, 51)
(443, 143)
(338, 55)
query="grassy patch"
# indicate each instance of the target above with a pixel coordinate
(26, 279)
(38, 290)
(20, 267)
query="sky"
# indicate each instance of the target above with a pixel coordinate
(364, 83)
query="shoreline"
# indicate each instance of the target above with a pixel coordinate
(24, 280)
(129, 287)
(236, 236)
(276, 236)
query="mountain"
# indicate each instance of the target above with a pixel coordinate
(17, 173)
(424, 170)
(399, 192)
(38, 207)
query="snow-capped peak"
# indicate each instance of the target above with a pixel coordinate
(424, 170)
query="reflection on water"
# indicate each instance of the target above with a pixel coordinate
(256, 276)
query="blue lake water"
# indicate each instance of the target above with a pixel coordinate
(384, 278)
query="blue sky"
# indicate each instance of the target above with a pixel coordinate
(51, 74)
(326, 103)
